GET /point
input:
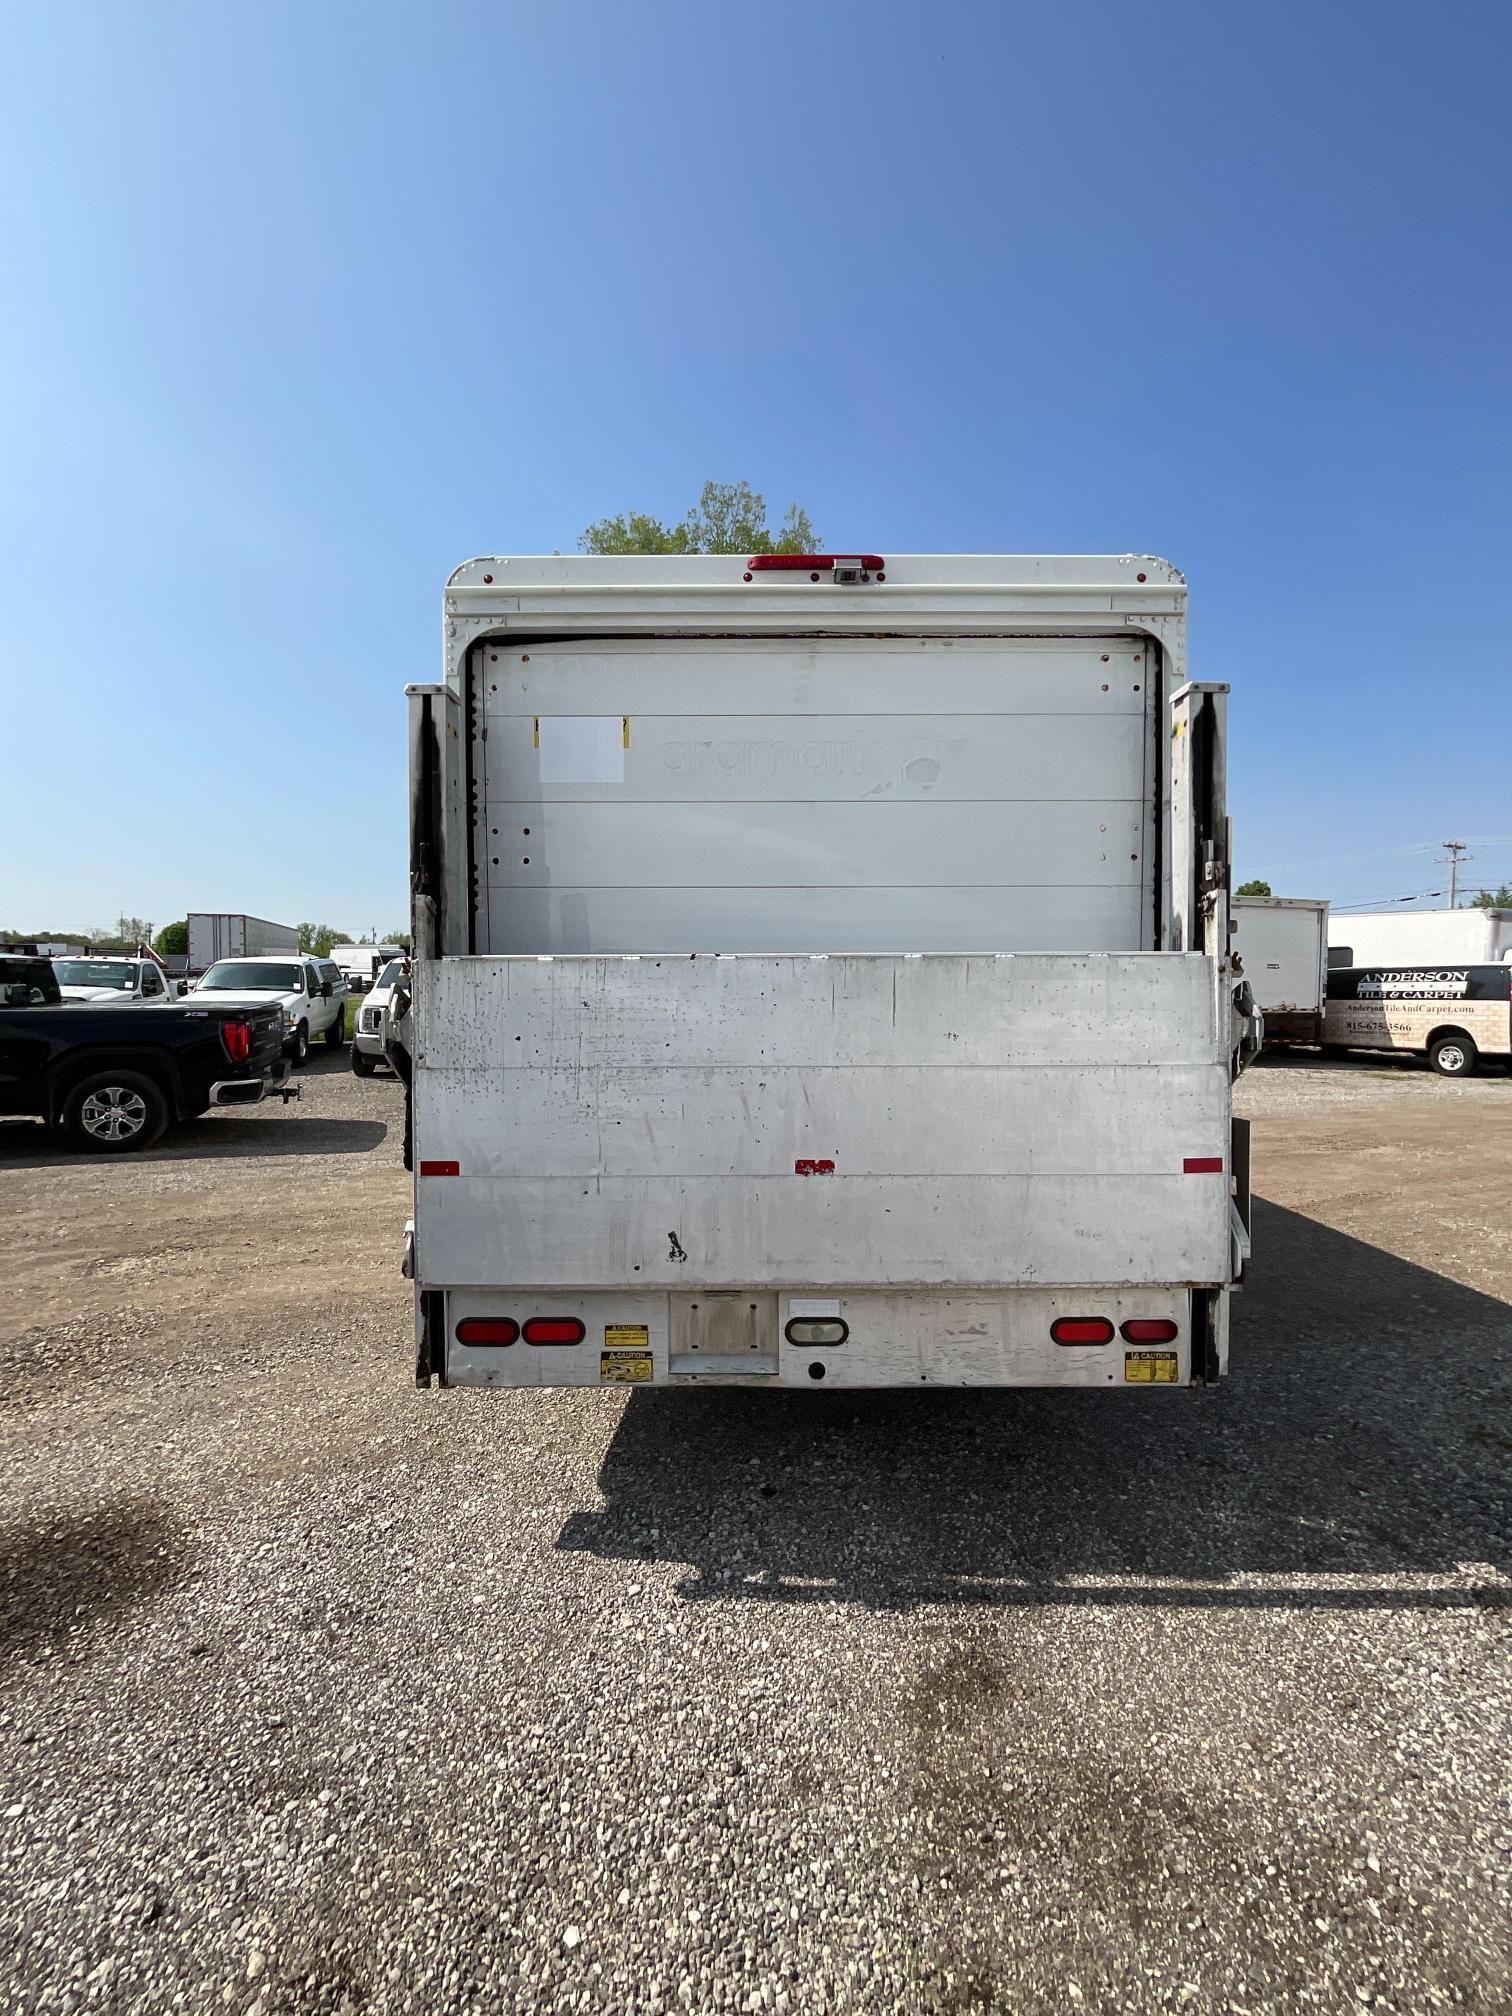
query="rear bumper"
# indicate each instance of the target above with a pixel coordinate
(760, 1337)
(249, 1091)
(1293, 1025)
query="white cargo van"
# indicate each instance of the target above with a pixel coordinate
(822, 976)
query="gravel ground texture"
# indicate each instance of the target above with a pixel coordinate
(319, 1693)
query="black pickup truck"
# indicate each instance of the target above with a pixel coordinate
(112, 1079)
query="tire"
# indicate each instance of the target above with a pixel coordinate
(299, 1048)
(1454, 1056)
(335, 1036)
(114, 1113)
(362, 1064)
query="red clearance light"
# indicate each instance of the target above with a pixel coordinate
(1202, 1165)
(487, 1330)
(237, 1037)
(440, 1168)
(554, 1330)
(1082, 1330)
(811, 563)
(1148, 1330)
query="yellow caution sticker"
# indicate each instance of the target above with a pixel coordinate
(626, 1357)
(1150, 1368)
(625, 1368)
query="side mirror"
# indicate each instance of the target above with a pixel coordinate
(325, 990)
(181, 988)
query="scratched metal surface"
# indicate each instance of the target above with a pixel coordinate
(1020, 1119)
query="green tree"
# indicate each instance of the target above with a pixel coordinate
(1253, 889)
(317, 939)
(728, 518)
(172, 938)
(1494, 899)
(399, 938)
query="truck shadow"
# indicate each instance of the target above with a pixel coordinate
(1358, 1457)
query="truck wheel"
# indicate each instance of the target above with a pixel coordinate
(299, 1048)
(113, 1112)
(362, 1064)
(336, 1034)
(1454, 1056)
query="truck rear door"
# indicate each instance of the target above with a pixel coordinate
(842, 794)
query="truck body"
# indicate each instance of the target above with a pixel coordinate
(113, 1078)
(1465, 937)
(821, 973)
(1282, 943)
(229, 934)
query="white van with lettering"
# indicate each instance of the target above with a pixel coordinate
(1452, 1015)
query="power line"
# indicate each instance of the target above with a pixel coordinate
(1380, 902)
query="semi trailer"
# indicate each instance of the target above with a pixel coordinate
(229, 934)
(822, 977)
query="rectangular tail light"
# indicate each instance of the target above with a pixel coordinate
(237, 1038)
(1082, 1330)
(554, 1330)
(1148, 1330)
(487, 1330)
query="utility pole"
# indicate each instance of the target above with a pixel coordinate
(1451, 859)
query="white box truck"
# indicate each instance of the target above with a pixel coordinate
(1282, 943)
(361, 964)
(1466, 937)
(228, 934)
(822, 975)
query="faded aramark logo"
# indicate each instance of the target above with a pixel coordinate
(1443, 984)
(895, 759)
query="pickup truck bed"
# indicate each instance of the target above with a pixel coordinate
(112, 1079)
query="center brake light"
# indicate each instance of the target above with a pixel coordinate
(845, 567)
(237, 1037)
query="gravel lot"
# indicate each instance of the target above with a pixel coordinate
(320, 1693)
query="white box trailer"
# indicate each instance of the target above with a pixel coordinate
(1466, 937)
(228, 934)
(1282, 943)
(822, 974)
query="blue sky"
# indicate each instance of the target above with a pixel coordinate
(302, 305)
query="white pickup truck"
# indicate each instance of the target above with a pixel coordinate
(822, 975)
(116, 978)
(309, 994)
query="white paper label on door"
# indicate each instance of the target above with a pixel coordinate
(582, 748)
